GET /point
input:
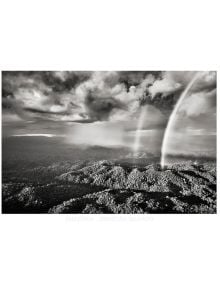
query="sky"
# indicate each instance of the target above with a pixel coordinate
(103, 108)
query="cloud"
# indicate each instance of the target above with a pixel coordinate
(103, 108)
(167, 85)
(106, 97)
(96, 96)
(199, 103)
(173, 81)
(91, 95)
(11, 118)
(40, 91)
(100, 107)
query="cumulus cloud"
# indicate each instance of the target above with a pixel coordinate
(103, 108)
(174, 81)
(90, 95)
(96, 96)
(164, 86)
(104, 97)
(199, 103)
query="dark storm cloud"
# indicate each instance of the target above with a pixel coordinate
(100, 108)
(55, 81)
(64, 81)
(96, 96)
(104, 108)
(164, 103)
(77, 95)
(134, 78)
(40, 91)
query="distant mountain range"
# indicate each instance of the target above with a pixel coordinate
(112, 186)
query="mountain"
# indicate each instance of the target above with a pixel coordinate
(112, 186)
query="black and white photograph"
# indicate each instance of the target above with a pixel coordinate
(109, 145)
(109, 142)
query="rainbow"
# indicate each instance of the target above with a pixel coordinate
(136, 145)
(138, 130)
(172, 119)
